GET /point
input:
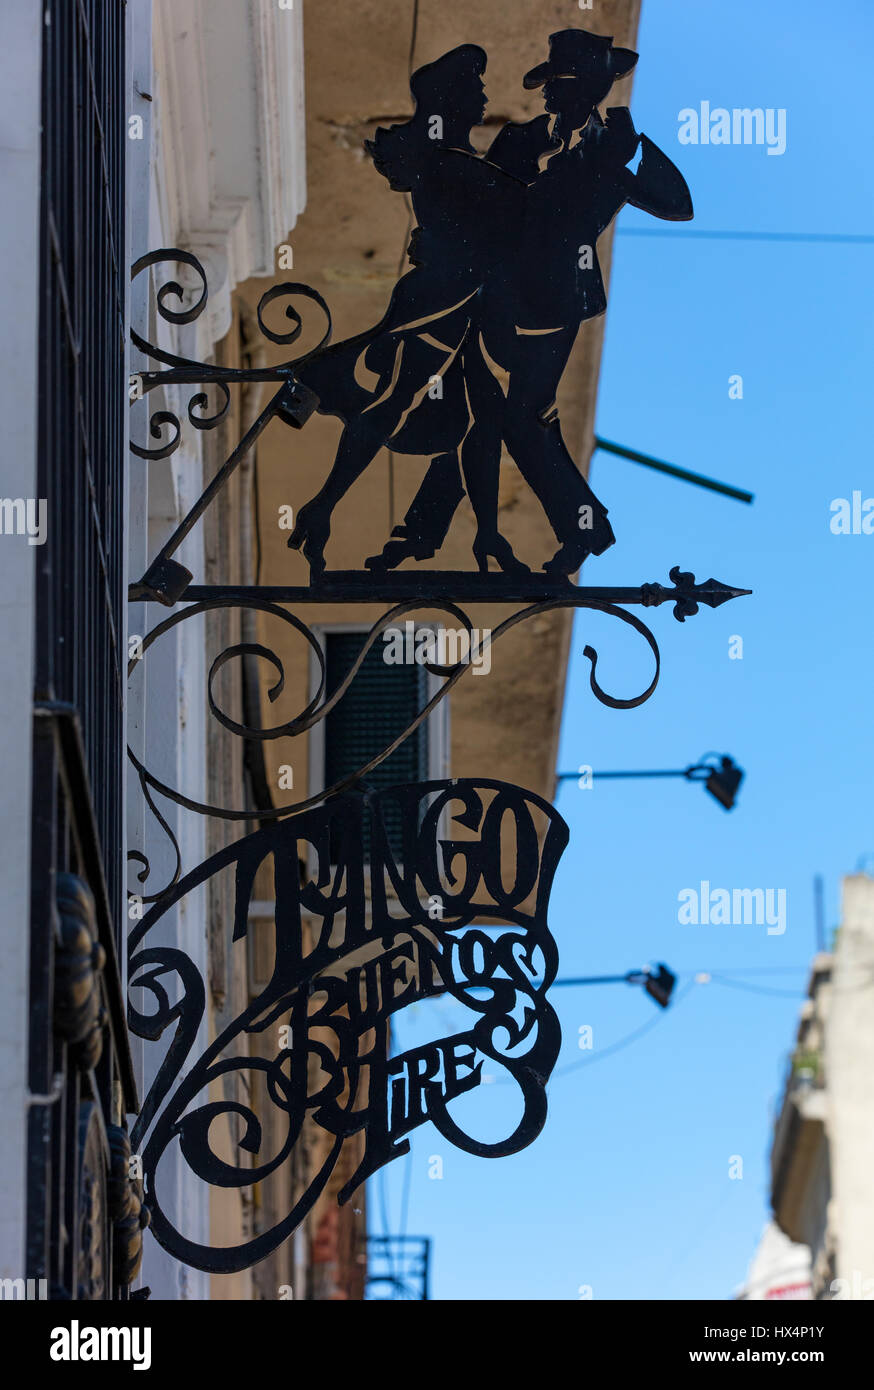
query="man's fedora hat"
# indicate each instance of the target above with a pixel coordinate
(577, 53)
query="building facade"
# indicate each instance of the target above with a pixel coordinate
(779, 1270)
(824, 1134)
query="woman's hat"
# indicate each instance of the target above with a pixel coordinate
(577, 53)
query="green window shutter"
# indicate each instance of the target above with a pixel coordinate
(381, 702)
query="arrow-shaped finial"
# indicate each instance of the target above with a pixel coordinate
(687, 595)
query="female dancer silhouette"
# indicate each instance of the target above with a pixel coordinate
(460, 202)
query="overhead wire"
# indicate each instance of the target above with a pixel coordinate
(622, 1043)
(825, 238)
(755, 989)
(715, 977)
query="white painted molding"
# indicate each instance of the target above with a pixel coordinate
(231, 102)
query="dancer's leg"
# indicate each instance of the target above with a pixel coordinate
(428, 518)
(481, 457)
(543, 458)
(365, 434)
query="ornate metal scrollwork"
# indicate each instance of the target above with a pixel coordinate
(166, 580)
(317, 1034)
(464, 365)
(685, 599)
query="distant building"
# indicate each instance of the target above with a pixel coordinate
(823, 1152)
(780, 1269)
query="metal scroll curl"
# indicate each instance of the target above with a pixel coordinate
(321, 704)
(208, 406)
(443, 919)
(180, 369)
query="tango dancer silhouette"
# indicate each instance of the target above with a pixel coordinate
(505, 269)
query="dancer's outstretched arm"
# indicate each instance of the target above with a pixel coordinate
(658, 187)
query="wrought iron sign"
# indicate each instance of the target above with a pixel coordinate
(331, 1005)
(465, 362)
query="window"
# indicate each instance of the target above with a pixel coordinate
(381, 702)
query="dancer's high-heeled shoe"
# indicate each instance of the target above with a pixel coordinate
(569, 556)
(311, 532)
(501, 550)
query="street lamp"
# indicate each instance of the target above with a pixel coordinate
(658, 981)
(721, 779)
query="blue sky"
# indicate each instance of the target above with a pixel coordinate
(627, 1190)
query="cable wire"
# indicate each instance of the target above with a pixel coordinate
(824, 238)
(757, 989)
(622, 1043)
